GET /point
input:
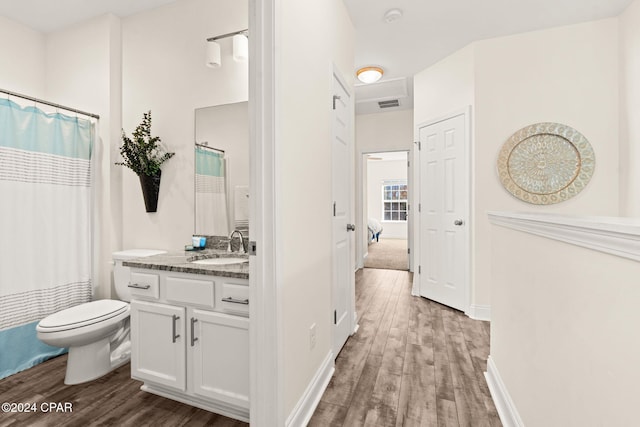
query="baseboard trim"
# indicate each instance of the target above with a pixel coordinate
(415, 285)
(479, 312)
(501, 398)
(301, 414)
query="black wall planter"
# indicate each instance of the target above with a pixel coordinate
(150, 189)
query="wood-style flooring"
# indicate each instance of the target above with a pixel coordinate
(413, 362)
(112, 400)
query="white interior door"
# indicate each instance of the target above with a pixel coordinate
(444, 201)
(343, 276)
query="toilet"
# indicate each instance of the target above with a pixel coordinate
(97, 332)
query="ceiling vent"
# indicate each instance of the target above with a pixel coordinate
(389, 104)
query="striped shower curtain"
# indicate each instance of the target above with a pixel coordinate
(45, 226)
(211, 194)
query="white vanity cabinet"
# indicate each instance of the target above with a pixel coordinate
(220, 340)
(191, 342)
(158, 344)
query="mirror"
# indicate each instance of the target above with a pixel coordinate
(222, 169)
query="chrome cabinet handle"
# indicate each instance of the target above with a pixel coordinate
(136, 286)
(236, 301)
(458, 222)
(193, 331)
(173, 328)
(351, 227)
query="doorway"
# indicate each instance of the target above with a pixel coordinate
(386, 196)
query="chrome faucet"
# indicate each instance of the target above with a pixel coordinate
(241, 250)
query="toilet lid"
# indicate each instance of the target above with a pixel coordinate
(83, 315)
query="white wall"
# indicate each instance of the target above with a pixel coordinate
(390, 131)
(563, 324)
(444, 88)
(377, 172)
(507, 95)
(83, 71)
(566, 318)
(23, 64)
(312, 37)
(630, 110)
(510, 96)
(164, 71)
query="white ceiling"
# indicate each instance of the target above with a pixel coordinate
(428, 31)
(51, 15)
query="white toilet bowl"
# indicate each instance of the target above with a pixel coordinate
(97, 332)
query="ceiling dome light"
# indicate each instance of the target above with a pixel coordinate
(392, 15)
(369, 74)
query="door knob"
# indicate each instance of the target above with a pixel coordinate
(351, 227)
(458, 222)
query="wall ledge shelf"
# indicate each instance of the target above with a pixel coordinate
(618, 236)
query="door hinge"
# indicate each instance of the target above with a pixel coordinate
(419, 207)
(252, 248)
(419, 269)
(335, 317)
(408, 250)
(419, 145)
(408, 163)
(334, 208)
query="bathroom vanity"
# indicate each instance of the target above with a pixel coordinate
(190, 329)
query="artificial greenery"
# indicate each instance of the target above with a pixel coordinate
(142, 154)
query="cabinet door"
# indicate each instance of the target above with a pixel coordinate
(158, 343)
(219, 355)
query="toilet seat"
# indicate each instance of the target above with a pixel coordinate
(82, 315)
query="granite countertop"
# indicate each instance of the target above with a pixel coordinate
(181, 261)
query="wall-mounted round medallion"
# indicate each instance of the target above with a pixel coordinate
(546, 163)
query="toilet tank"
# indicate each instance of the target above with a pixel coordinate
(122, 274)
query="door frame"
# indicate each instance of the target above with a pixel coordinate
(361, 220)
(266, 329)
(469, 208)
(353, 317)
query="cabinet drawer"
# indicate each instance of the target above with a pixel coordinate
(235, 298)
(144, 285)
(191, 291)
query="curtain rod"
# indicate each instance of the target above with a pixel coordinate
(51, 104)
(204, 145)
(245, 32)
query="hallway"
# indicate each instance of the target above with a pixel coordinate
(413, 362)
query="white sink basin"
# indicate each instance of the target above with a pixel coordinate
(221, 261)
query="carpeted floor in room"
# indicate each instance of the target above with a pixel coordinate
(389, 254)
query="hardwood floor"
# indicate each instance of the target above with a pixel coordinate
(413, 362)
(113, 400)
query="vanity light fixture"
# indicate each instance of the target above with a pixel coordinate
(213, 54)
(240, 48)
(369, 74)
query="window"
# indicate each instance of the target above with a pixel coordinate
(394, 200)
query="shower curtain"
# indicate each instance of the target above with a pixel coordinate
(45, 226)
(211, 193)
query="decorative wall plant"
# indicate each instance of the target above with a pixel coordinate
(546, 163)
(144, 155)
